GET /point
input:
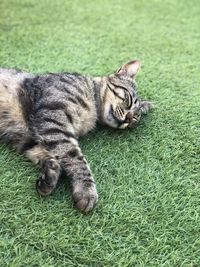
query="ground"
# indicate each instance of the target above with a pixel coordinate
(147, 178)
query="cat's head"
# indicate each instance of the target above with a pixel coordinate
(121, 107)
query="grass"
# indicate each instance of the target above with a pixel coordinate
(147, 178)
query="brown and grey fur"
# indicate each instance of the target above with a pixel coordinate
(42, 116)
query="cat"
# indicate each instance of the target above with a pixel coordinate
(42, 116)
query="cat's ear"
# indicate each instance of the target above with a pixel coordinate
(130, 69)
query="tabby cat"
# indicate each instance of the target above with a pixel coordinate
(42, 117)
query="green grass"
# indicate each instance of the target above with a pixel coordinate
(148, 178)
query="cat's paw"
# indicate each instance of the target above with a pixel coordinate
(48, 180)
(42, 187)
(85, 195)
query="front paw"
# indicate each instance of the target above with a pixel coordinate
(85, 195)
(42, 187)
(48, 180)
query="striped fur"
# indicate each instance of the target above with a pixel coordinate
(43, 116)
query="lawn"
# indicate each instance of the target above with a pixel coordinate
(148, 213)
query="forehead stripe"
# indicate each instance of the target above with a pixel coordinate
(119, 86)
(115, 93)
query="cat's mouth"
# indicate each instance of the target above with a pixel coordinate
(129, 120)
(134, 122)
(134, 119)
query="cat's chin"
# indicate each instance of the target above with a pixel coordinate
(124, 126)
(110, 119)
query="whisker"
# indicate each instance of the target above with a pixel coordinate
(120, 110)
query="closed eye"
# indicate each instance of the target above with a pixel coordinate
(128, 100)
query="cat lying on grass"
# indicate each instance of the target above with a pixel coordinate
(43, 115)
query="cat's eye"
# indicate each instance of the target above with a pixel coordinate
(127, 100)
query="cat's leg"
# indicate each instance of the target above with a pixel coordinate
(84, 191)
(50, 168)
(67, 155)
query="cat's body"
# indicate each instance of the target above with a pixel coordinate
(25, 97)
(42, 116)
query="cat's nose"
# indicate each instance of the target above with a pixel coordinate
(129, 117)
(132, 116)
